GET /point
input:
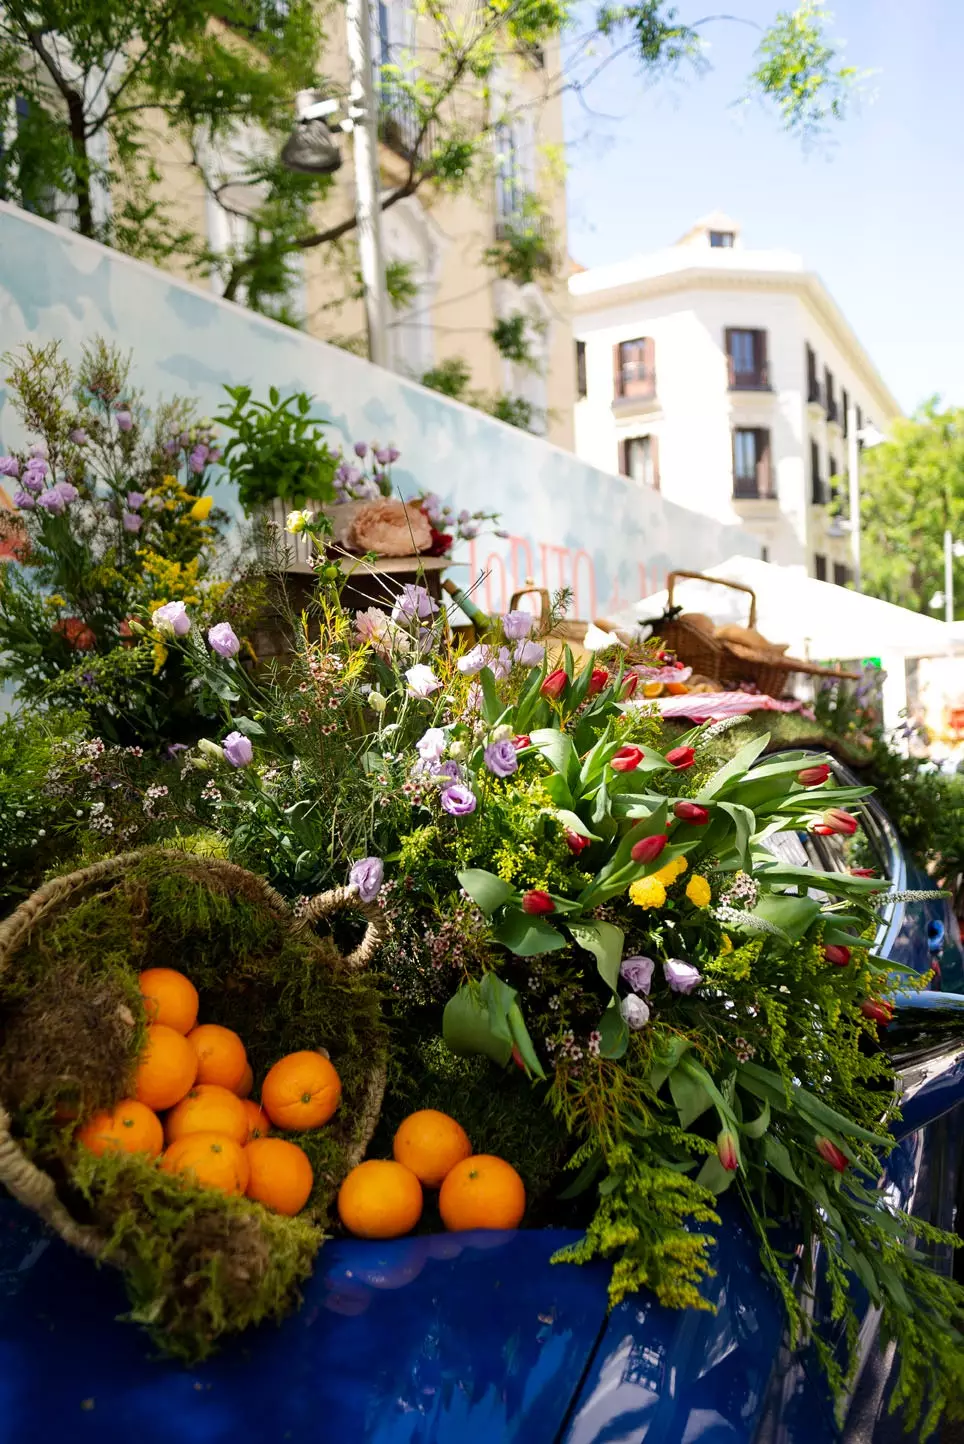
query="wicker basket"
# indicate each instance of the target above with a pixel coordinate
(706, 654)
(43, 1185)
(565, 633)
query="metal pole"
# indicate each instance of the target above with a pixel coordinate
(948, 576)
(367, 186)
(853, 468)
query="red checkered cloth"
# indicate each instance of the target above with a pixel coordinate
(715, 706)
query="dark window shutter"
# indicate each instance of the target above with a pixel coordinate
(649, 358)
(760, 357)
(763, 463)
(580, 368)
(730, 372)
(617, 370)
(654, 459)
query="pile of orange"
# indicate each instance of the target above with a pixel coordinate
(200, 1077)
(383, 1198)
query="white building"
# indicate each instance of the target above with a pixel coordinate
(724, 377)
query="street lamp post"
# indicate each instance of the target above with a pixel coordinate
(868, 436)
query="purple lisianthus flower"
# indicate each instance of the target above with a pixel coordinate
(393, 454)
(361, 448)
(198, 459)
(383, 456)
(422, 681)
(501, 759)
(431, 505)
(131, 521)
(52, 501)
(174, 748)
(638, 973)
(502, 665)
(33, 481)
(682, 977)
(444, 773)
(9, 466)
(464, 516)
(468, 530)
(40, 450)
(169, 447)
(172, 616)
(78, 436)
(413, 603)
(24, 500)
(530, 654)
(473, 662)
(135, 500)
(367, 876)
(352, 474)
(517, 625)
(222, 639)
(474, 698)
(214, 456)
(458, 800)
(38, 466)
(237, 749)
(431, 745)
(68, 491)
(124, 420)
(634, 1012)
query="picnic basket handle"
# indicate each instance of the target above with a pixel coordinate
(717, 581)
(540, 592)
(348, 899)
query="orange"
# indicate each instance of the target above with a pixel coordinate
(301, 1091)
(129, 1127)
(169, 998)
(677, 689)
(259, 1125)
(652, 689)
(430, 1144)
(208, 1109)
(211, 1160)
(482, 1192)
(166, 1069)
(379, 1199)
(280, 1174)
(247, 1082)
(220, 1055)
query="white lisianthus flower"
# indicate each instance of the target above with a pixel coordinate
(298, 521)
(503, 733)
(376, 701)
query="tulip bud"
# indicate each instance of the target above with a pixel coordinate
(727, 1151)
(814, 776)
(376, 701)
(517, 1057)
(840, 821)
(577, 844)
(627, 759)
(522, 741)
(692, 812)
(822, 830)
(681, 758)
(555, 684)
(862, 872)
(210, 749)
(630, 683)
(831, 1154)
(536, 903)
(647, 849)
(877, 1011)
(839, 956)
(597, 681)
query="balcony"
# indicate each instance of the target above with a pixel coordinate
(747, 488)
(401, 125)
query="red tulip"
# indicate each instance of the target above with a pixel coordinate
(727, 1152)
(862, 872)
(681, 758)
(75, 633)
(839, 956)
(814, 776)
(877, 1011)
(597, 681)
(630, 683)
(840, 821)
(536, 903)
(821, 830)
(522, 741)
(577, 844)
(627, 759)
(831, 1154)
(517, 1058)
(555, 684)
(647, 849)
(692, 812)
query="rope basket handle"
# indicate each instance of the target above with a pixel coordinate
(348, 899)
(33, 1188)
(673, 577)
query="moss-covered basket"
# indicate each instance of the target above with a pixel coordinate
(197, 1264)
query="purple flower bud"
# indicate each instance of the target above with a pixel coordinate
(634, 1012)
(68, 491)
(52, 501)
(131, 521)
(78, 436)
(237, 749)
(198, 459)
(124, 420)
(502, 665)
(172, 617)
(135, 500)
(501, 759)
(24, 500)
(9, 466)
(530, 654)
(413, 602)
(39, 450)
(682, 977)
(383, 456)
(223, 640)
(214, 456)
(361, 448)
(184, 440)
(638, 973)
(517, 625)
(169, 447)
(502, 535)
(458, 800)
(393, 454)
(473, 661)
(431, 745)
(367, 876)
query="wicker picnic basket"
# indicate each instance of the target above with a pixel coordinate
(197, 1263)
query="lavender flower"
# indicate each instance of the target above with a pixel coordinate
(124, 420)
(198, 459)
(367, 876)
(501, 759)
(52, 501)
(413, 604)
(37, 466)
(68, 491)
(361, 448)
(530, 654)
(135, 500)
(422, 681)
(9, 466)
(237, 749)
(473, 662)
(383, 455)
(517, 625)
(131, 521)
(634, 1012)
(502, 665)
(24, 500)
(431, 745)
(78, 436)
(458, 800)
(638, 973)
(682, 977)
(222, 640)
(173, 618)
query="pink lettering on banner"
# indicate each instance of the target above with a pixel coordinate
(493, 565)
(501, 576)
(587, 597)
(520, 555)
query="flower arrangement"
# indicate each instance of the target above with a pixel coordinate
(614, 918)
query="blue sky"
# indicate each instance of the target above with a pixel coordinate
(878, 214)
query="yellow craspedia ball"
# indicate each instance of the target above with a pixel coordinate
(727, 946)
(699, 891)
(202, 508)
(648, 892)
(670, 871)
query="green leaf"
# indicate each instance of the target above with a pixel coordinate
(498, 998)
(586, 1176)
(484, 888)
(559, 752)
(467, 1030)
(558, 789)
(759, 1126)
(690, 1097)
(698, 1074)
(745, 825)
(714, 1176)
(528, 698)
(595, 760)
(666, 1060)
(572, 822)
(527, 937)
(736, 768)
(605, 942)
(777, 1156)
(792, 915)
(614, 1033)
(248, 726)
(492, 707)
(521, 1039)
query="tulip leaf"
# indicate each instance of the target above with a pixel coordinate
(596, 759)
(558, 789)
(778, 1157)
(492, 707)
(613, 1032)
(498, 998)
(572, 822)
(527, 936)
(558, 750)
(690, 1097)
(792, 915)
(735, 769)
(467, 1027)
(759, 1126)
(745, 825)
(528, 698)
(714, 1176)
(666, 1061)
(605, 942)
(522, 1041)
(484, 888)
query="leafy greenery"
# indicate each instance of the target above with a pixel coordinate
(276, 449)
(510, 338)
(799, 74)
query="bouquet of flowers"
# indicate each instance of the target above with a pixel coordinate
(625, 922)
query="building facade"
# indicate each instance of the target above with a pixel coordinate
(728, 379)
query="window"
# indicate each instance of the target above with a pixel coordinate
(860, 422)
(845, 412)
(818, 494)
(832, 477)
(764, 554)
(751, 464)
(813, 385)
(819, 567)
(581, 389)
(508, 188)
(746, 355)
(721, 240)
(829, 397)
(634, 368)
(639, 460)
(841, 574)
